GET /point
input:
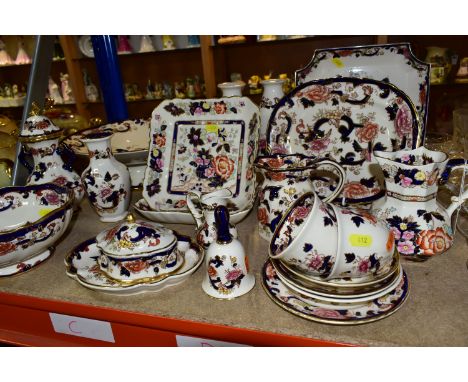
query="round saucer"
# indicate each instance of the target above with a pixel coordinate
(82, 266)
(355, 299)
(347, 282)
(343, 314)
(333, 290)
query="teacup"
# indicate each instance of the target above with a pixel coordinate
(306, 238)
(365, 245)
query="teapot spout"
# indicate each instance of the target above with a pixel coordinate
(457, 201)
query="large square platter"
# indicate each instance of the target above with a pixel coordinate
(394, 63)
(201, 145)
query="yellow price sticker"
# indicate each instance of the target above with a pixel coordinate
(211, 128)
(337, 62)
(45, 211)
(358, 240)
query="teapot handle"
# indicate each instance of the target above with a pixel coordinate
(196, 212)
(341, 182)
(452, 164)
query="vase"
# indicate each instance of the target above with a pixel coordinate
(231, 89)
(272, 93)
(106, 180)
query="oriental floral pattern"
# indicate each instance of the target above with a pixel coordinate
(201, 145)
(317, 310)
(225, 274)
(345, 119)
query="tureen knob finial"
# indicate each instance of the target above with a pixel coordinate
(130, 218)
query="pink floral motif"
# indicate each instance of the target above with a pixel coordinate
(52, 198)
(315, 262)
(160, 163)
(403, 121)
(364, 265)
(61, 181)
(326, 313)
(105, 192)
(319, 145)
(406, 247)
(316, 93)
(180, 204)
(396, 233)
(368, 132)
(233, 274)
(270, 272)
(408, 235)
(301, 212)
(405, 181)
(209, 172)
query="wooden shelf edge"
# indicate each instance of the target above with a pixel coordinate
(165, 326)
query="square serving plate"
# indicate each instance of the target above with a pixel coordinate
(201, 145)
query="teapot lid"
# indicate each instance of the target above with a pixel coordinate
(135, 237)
(39, 127)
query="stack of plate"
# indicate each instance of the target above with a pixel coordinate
(339, 301)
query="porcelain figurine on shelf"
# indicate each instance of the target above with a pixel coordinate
(91, 91)
(168, 42)
(146, 44)
(67, 92)
(193, 41)
(106, 180)
(54, 91)
(149, 90)
(254, 85)
(167, 90)
(5, 58)
(236, 77)
(179, 90)
(22, 57)
(227, 274)
(236, 39)
(124, 45)
(462, 73)
(190, 88)
(137, 94)
(440, 64)
(267, 37)
(197, 87)
(158, 91)
(58, 51)
(286, 83)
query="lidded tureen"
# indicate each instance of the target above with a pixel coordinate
(137, 250)
(37, 128)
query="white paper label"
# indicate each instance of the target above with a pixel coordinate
(203, 342)
(82, 327)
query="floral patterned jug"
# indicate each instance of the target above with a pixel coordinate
(421, 226)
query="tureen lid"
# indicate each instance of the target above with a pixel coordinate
(39, 126)
(133, 237)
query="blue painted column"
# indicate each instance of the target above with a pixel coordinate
(107, 63)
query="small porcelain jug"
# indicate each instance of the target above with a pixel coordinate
(227, 266)
(286, 177)
(421, 226)
(106, 180)
(203, 213)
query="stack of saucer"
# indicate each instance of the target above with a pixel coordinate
(334, 265)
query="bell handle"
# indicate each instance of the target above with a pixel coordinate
(196, 211)
(341, 181)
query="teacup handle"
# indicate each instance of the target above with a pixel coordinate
(194, 210)
(341, 182)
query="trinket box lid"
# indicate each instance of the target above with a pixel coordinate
(135, 237)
